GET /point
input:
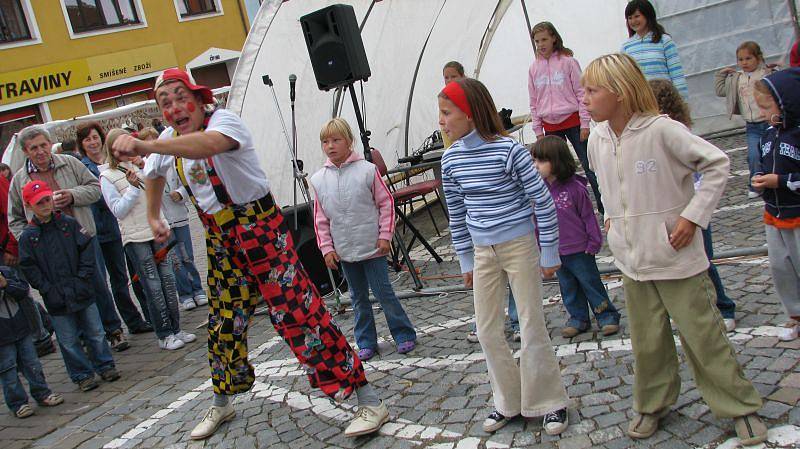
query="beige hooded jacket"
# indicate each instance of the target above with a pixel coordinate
(646, 180)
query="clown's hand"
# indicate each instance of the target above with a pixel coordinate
(127, 146)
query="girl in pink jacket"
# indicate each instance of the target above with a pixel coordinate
(556, 96)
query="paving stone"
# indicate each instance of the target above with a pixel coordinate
(576, 442)
(773, 409)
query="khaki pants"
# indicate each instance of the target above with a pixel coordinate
(533, 388)
(691, 304)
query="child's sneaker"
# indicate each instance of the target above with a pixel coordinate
(495, 421)
(87, 384)
(730, 324)
(555, 422)
(516, 336)
(110, 375)
(406, 347)
(201, 299)
(472, 337)
(570, 331)
(24, 411)
(366, 354)
(187, 303)
(117, 341)
(185, 337)
(52, 400)
(609, 329)
(170, 342)
(789, 331)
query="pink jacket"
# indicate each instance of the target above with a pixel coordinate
(555, 90)
(353, 209)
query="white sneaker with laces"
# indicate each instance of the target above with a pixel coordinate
(185, 337)
(730, 324)
(789, 333)
(200, 299)
(472, 337)
(187, 303)
(214, 418)
(170, 342)
(368, 419)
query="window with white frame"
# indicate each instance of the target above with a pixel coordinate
(191, 8)
(14, 23)
(95, 15)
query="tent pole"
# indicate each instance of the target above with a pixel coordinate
(528, 21)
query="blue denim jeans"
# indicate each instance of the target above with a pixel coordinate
(726, 306)
(79, 329)
(754, 131)
(158, 282)
(111, 260)
(581, 287)
(574, 136)
(104, 301)
(21, 355)
(187, 276)
(374, 274)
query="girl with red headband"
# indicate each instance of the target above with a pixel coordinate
(493, 191)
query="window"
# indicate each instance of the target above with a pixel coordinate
(188, 8)
(11, 122)
(124, 94)
(92, 15)
(13, 24)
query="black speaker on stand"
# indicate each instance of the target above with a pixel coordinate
(335, 46)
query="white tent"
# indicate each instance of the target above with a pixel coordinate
(408, 41)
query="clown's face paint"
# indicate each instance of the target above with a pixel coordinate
(181, 108)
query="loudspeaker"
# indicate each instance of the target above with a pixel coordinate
(305, 243)
(335, 46)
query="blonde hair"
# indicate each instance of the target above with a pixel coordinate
(620, 74)
(146, 133)
(111, 136)
(336, 126)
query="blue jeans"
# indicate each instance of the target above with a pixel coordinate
(754, 131)
(579, 280)
(187, 276)
(726, 306)
(79, 329)
(21, 355)
(111, 260)
(374, 274)
(103, 299)
(574, 136)
(159, 287)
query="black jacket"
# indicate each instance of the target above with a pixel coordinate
(57, 258)
(13, 322)
(780, 146)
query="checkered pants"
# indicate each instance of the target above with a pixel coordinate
(257, 252)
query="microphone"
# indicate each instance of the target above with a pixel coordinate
(292, 81)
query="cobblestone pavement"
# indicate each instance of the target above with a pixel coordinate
(439, 394)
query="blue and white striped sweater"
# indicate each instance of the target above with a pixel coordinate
(658, 60)
(489, 187)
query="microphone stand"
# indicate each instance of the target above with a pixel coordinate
(299, 176)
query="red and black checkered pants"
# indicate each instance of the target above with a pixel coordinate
(256, 251)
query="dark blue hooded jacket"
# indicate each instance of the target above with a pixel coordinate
(780, 146)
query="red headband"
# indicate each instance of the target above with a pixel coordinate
(455, 93)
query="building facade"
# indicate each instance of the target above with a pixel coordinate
(68, 58)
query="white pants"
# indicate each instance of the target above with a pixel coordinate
(533, 388)
(784, 261)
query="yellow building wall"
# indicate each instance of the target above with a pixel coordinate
(189, 39)
(68, 107)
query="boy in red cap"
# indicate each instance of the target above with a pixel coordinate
(250, 251)
(57, 258)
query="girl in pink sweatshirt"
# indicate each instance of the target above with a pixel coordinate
(556, 96)
(354, 223)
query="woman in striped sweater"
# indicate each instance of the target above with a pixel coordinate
(651, 47)
(490, 184)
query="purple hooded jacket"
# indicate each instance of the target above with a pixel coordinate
(578, 229)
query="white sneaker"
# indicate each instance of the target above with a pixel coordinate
(187, 304)
(368, 419)
(214, 418)
(752, 195)
(730, 324)
(201, 299)
(789, 332)
(170, 342)
(472, 337)
(185, 337)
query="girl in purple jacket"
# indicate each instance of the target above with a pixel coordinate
(579, 241)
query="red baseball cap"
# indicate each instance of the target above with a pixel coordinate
(34, 191)
(176, 74)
